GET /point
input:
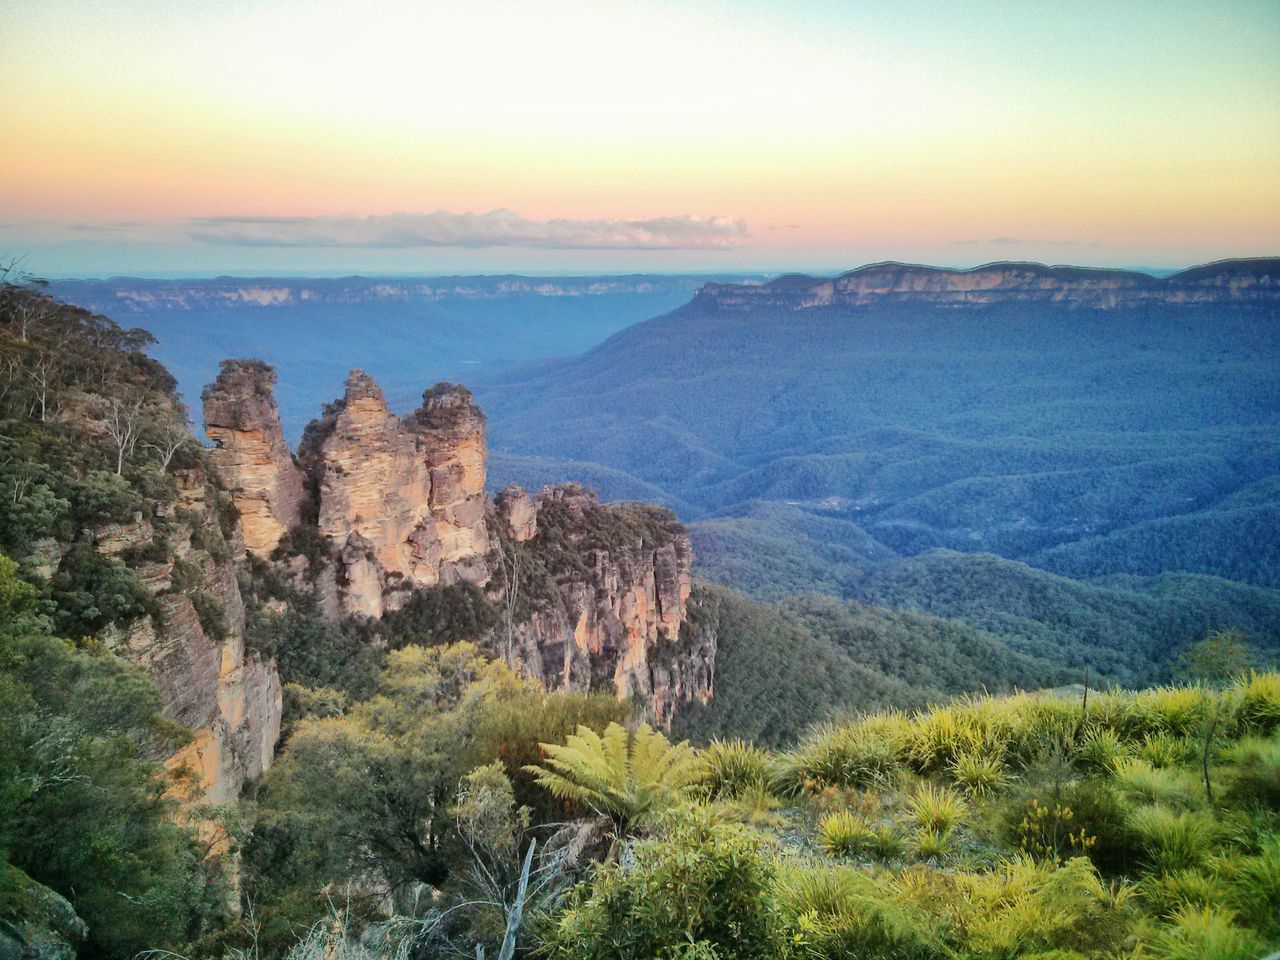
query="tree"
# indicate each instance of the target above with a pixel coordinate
(622, 775)
(371, 792)
(1219, 658)
(124, 421)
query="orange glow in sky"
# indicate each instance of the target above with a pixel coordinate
(1144, 133)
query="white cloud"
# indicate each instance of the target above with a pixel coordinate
(498, 228)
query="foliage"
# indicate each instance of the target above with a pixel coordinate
(703, 890)
(84, 809)
(622, 774)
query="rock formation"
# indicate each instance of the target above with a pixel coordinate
(612, 615)
(229, 698)
(242, 420)
(403, 501)
(593, 596)
(1229, 281)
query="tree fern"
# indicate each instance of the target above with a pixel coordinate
(620, 774)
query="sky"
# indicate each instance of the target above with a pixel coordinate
(270, 136)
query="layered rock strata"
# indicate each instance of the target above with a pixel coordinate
(250, 453)
(592, 596)
(1236, 281)
(229, 698)
(612, 615)
(402, 500)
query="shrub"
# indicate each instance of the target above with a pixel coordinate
(1102, 750)
(706, 882)
(887, 842)
(1255, 890)
(1173, 840)
(942, 734)
(936, 808)
(979, 774)
(1260, 702)
(845, 834)
(1204, 933)
(1161, 750)
(213, 619)
(932, 843)
(842, 913)
(1254, 775)
(1172, 787)
(851, 755)
(732, 767)
(1167, 893)
(1049, 831)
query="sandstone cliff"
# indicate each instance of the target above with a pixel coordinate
(230, 699)
(242, 420)
(588, 596)
(603, 598)
(1229, 281)
(402, 500)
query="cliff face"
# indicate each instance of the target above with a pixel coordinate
(230, 699)
(609, 612)
(403, 501)
(1230, 281)
(595, 595)
(242, 420)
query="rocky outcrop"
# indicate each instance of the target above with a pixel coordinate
(402, 501)
(1225, 282)
(611, 614)
(593, 596)
(252, 458)
(195, 652)
(35, 922)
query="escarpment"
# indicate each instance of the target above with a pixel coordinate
(1232, 281)
(587, 596)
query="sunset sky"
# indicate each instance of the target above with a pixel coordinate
(154, 136)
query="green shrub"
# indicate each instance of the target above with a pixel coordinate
(979, 774)
(1102, 750)
(1254, 773)
(732, 767)
(840, 913)
(1204, 933)
(212, 617)
(1167, 893)
(932, 843)
(936, 808)
(1172, 787)
(1173, 840)
(1260, 702)
(851, 755)
(1161, 750)
(845, 834)
(705, 882)
(1255, 888)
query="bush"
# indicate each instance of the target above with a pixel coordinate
(1254, 774)
(1204, 933)
(840, 913)
(212, 617)
(845, 834)
(980, 775)
(1102, 750)
(1260, 702)
(936, 808)
(852, 755)
(733, 767)
(1173, 840)
(704, 883)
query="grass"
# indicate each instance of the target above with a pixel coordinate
(1029, 825)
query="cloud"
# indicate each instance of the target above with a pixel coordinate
(1020, 242)
(498, 228)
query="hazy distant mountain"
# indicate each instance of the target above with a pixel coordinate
(405, 331)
